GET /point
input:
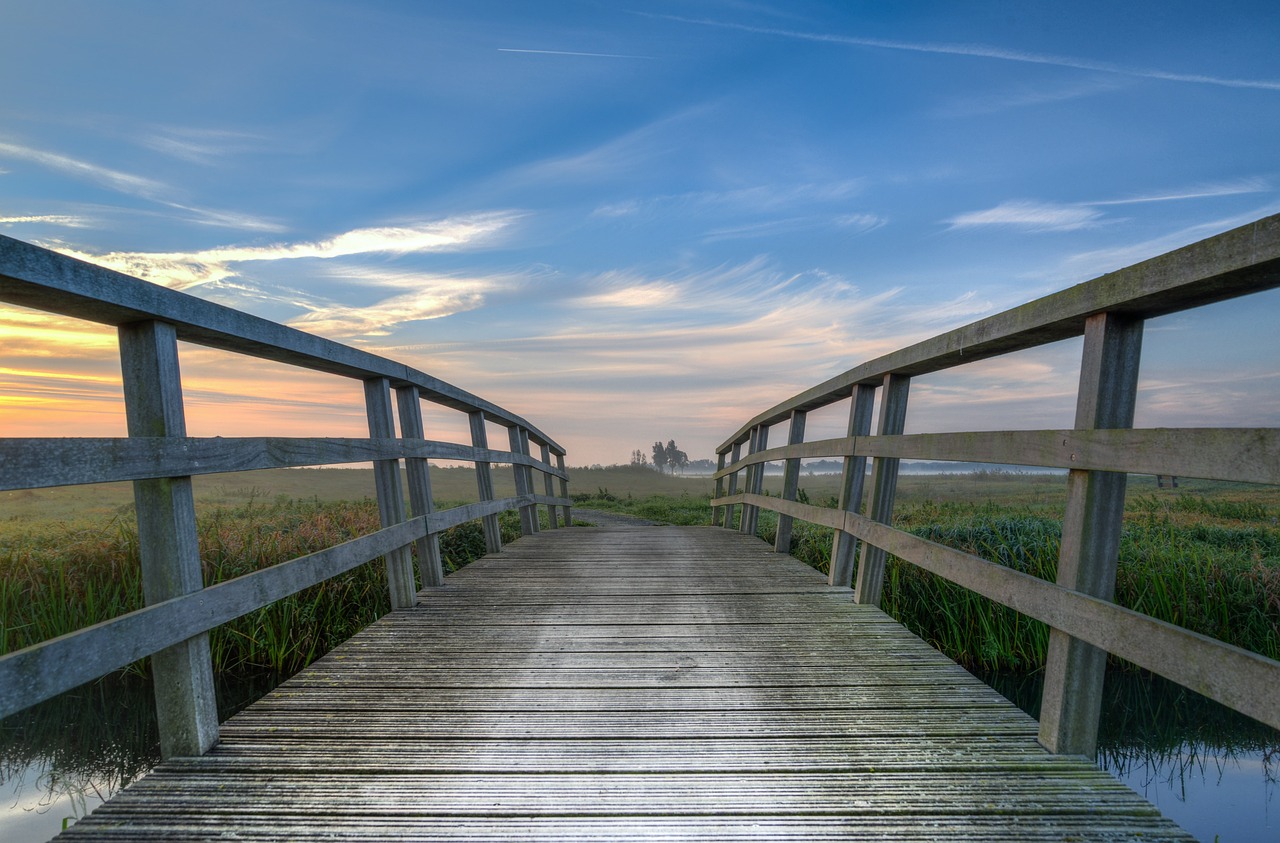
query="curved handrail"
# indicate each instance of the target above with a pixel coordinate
(160, 459)
(1109, 312)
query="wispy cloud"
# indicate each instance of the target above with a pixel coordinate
(1200, 191)
(1027, 97)
(989, 52)
(1031, 216)
(433, 298)
(49, 219)
(572, 53)
(1050, 216)
(184, 270)
(200, 145)
(114, 179)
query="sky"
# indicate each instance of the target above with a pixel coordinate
(634, 222)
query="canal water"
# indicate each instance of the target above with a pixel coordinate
(1214, 772)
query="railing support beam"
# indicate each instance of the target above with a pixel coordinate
(884, 485)
(386, 478)
(853, 479)
(734, 456)
(1091, 528)
(566, 511)
(484, 483)
(186, 704)
(755, 481)
(524, 480)
(790, 481)
(421, 502)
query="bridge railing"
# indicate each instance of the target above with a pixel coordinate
(1084, 623)
(161, 459)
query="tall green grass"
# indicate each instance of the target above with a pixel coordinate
(56, 578)
(1211, 566)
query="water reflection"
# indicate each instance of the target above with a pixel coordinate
(1213, 771)
(61, 759)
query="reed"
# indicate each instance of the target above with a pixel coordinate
(56, 578)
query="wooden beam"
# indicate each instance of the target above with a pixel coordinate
(186, 705)
(853, 478)
(386, 475)
(790, 482)
(1235, 263)
(884, 483)
(421, 501)
(484, 482)
(1091, 526)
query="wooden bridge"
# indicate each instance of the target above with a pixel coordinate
(648, 683)
(637, 683)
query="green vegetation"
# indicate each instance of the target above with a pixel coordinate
(1206, 556)
(58, 577)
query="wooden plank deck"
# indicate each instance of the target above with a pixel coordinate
(648, 683)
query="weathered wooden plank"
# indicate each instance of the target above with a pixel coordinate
(168, 547)
(42, 463)
(497, 711)
(1249, 455)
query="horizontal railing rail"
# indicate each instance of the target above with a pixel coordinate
(160, 459)
(1098, 454)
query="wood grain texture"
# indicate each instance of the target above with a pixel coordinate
(637, 683)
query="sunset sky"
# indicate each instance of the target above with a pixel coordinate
(631, 222)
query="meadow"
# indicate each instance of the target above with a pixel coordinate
(1205, 556)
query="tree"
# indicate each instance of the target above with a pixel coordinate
(674, 457)
(638, 458)
(659, 456)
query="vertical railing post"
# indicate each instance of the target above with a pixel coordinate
(566, 510)
(717, 512)
(755, 480)
(484, 483)
(186, 705)
(418, 471)
(790, 481)
(524, 479)
(844, 547)
(734, 456)
(1091, 527)
(386, 478)
(884, 484)
(549, 487)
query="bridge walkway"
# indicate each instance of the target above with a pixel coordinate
(637, 683)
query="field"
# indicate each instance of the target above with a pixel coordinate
(1206, 555)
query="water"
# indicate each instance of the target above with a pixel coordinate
(1214, 772)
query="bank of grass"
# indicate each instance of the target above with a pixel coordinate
(57, 577)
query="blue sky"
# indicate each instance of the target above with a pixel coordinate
(635, 222)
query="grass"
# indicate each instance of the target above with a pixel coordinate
(1206, 556)
(58, 577)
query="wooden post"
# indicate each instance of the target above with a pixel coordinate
(1091, 528)
(755, 481)
(567, 510)
(484, 483)
(524, 480)
(884, 483)
(733, 485)
(186, 704)
(409, 404)
(550, 489)
(790, 481)
(853, 478)
(386, 478)
(717, 512)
